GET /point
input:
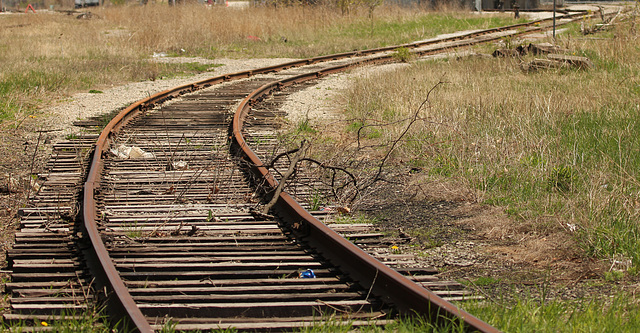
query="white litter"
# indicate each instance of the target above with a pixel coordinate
(131, 152)
(180, 165)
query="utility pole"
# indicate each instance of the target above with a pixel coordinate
(554, 22)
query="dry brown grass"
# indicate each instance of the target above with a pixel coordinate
(220, 31)
(48, 55)
(218, 28)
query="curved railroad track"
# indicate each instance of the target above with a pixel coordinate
(169, 237)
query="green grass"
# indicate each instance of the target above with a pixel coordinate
(357, 33)
(426, 237)
(68, 322)
(185, 69)
(132, 230)
(356, 219)
(304, 127)
(317, 200)
(385, 32)
(402, 325)
(23, 92)
(594, 154)
(616, 314)
(403, 54)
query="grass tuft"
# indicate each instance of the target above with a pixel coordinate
(67, 322)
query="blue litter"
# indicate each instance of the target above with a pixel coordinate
(308, 274)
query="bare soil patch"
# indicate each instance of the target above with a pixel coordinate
(479, 245)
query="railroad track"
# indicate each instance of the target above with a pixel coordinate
(170, 238)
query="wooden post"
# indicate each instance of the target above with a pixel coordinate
(554, 22)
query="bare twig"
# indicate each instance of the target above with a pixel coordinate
(335, 169)
(395, 143)
(290, 171)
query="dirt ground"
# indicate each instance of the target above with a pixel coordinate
(480, 246)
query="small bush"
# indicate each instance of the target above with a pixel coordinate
(403, 54)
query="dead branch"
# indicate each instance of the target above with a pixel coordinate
(335, 169)
(290, 171)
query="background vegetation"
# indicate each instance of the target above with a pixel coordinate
(44, 56)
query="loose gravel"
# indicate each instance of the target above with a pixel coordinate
(60, 117)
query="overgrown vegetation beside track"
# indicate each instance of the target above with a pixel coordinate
(557, 146)
(557, 149)
(44, 57)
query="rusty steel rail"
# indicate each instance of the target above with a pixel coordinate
(407, 296)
